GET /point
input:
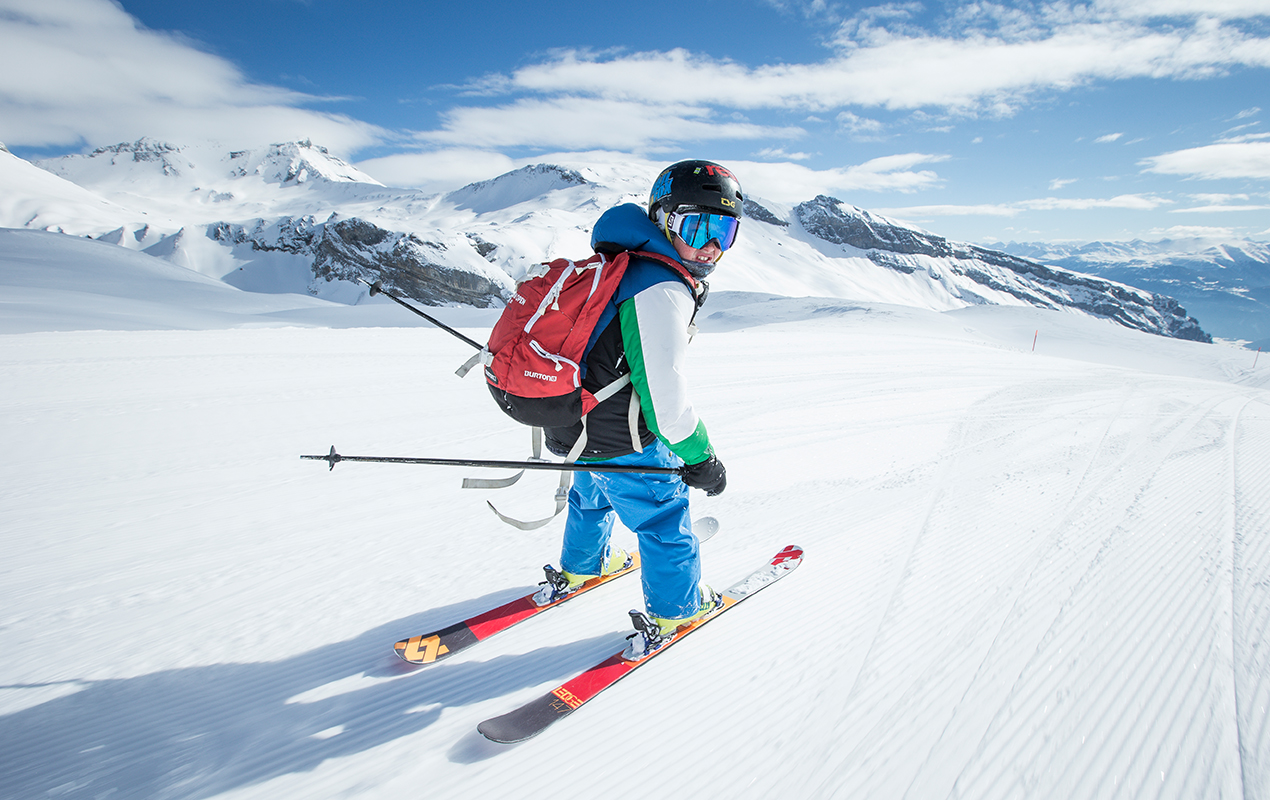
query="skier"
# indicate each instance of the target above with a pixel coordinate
(694, 211)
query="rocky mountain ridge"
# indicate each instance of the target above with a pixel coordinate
(885, 243)
(1224, 283)
(291, 216)
(353, 250)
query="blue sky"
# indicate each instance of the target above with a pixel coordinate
(983, 122)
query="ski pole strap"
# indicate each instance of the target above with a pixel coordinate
(562, 500)
(535, 448)
(492, 483)
(562, 491)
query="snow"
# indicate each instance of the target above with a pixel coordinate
(38, 199)
(1030, 573)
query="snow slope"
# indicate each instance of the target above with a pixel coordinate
(33, 198)
(1029, 574)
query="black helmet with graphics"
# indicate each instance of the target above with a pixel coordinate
(703, 184)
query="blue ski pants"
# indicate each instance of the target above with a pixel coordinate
(655, 508)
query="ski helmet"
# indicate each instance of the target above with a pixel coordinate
(703, 184)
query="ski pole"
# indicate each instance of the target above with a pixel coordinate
(334, 458)
(378, 288)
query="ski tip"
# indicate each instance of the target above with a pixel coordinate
(789, 557)
(525, 722)
(496, 734)
(400, 648)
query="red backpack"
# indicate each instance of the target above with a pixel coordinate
(533, 362)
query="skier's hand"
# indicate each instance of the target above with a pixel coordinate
(708, 475)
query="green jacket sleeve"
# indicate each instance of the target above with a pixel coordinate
(655, 335)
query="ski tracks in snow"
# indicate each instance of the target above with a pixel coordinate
(1027, 577)
(1099, 660)
(1250, 595)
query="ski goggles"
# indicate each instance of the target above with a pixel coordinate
(699, 228)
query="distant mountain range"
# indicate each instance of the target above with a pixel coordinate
(1225, 284)
(291, 217)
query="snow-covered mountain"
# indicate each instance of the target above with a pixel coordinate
(980, 276)
(136, 163)
(292, 217)
(1224, 283)
(33, 198)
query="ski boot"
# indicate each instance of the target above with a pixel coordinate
(652, 633)
(561, 583)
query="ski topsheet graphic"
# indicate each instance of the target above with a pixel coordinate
(537, 715)
(428, 648)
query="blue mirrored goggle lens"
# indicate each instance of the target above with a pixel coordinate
(698, 230)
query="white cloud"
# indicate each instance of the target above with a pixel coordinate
(1215, 161)
(951, 210)
(84, 70)
(1194, 232)
(1217, 199)
(1059, 183)
(860, 128)
(969, 71)
(795, 183)
(780, 153)
(1111, 137)
(1221, 9)
(1218, 208)
(73, 70)
(447, 169)
(438, 170)
(583, 122)
(1244, 137)
(1136, 202)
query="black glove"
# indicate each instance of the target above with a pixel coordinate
(709, 475)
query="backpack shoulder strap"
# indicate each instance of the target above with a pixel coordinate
(699, 288)
(675, 266)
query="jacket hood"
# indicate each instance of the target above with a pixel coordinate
(627, 227)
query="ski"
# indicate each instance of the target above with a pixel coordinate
(428, 648)
(535, 716)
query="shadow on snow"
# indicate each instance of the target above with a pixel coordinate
(200, 731)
